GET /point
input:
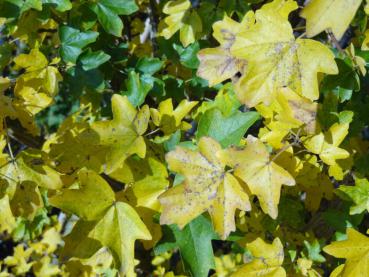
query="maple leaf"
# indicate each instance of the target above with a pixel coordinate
(145, 180)
(118, 230)
(331, 15)
(292, 109)
(267, 260)
(20, 260)
(207, 187)
(115, 224)
(327, 146)
(217, 64)
(359, 194)
(75, 135)
(33, 90)
(355, 249)
(194, 244)
(262, 175)
(225, 100)
(93, 265)
(288, 111)
(39, 74)
(169, 119)
(181, 17)
(29, 166)
(122, 136)
(276, 59)
(90, 201)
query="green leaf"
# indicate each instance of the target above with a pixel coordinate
(5, 55)
(188, 56)
(138, 87)
(194, 243)
(226, 130)
(108, 12)
(31, 4)
(91, 60)
(347, 80)
(358, 194)
(79, 79)
(345, 117)
(362, 164)
(61, 5)
(149, 65)
(10, 9)
(121, 7)
(340, 219)
(314, 250)
(73, 41)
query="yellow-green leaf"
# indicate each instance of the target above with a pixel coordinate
(334, 15)
(267, 260)
(90, 201)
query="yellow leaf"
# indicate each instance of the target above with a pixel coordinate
(34, 89)
(90, 201)
(29, 166)
(337, 272)
(7, 220)
(262, 175)
(74, 134)
(31, 101)
(51, 239)
(335, 15)
(207, 187)
(121, 136)
(276, 59)
(118, 230)
(35, 60)
(44, 267)
(145, 179)
(326, 146)
(355, 249)
(19, 261)
(217, 64)
(287, 111)
(180, 17)
(110, 223)
(6, 105)
(169, 119)
(28, 27)
(267, 260)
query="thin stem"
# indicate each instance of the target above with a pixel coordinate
(283, 149)
(152, 132)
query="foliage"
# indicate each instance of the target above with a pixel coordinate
(184, 138)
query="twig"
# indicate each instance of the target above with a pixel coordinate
(335, 42)
(154, 26)
(152, 132)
